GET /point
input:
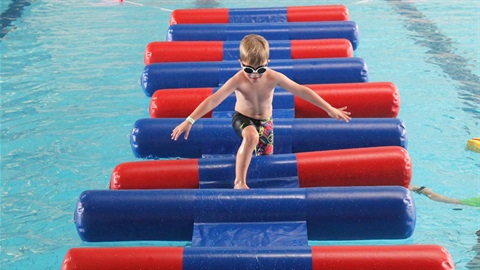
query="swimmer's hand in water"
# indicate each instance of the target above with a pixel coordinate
(185, 126)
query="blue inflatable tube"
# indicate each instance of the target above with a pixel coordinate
(150, 138)
(212, 74)
(270, 31)
(336, 213)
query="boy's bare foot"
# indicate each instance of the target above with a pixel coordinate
(239, 185)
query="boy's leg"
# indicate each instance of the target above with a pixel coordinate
(265, 141)
(244, 156)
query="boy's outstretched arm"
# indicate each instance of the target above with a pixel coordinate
(312, 97)
(203, 108)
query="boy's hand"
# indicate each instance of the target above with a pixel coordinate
(340, 114)
(185, 126)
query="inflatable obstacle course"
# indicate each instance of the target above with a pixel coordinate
(306, 193)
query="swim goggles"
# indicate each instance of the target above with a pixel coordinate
(250, 70)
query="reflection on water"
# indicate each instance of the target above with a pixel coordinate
(441, 52)
(474, 264)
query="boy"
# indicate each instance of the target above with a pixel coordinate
(252, 120)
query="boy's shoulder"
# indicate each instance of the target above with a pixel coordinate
(274, 75)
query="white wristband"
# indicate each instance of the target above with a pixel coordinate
(191, 120)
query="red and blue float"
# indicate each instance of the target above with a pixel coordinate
(363, 100)
(271, 31)
(199, 51)
(392, 257)
(374, 166)
(260, 15)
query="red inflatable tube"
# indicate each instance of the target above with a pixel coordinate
(321, 48)
(200, 16)
(116, 258)
(199, 51)
(156, 174)
(173, 103)
(411, 257)
(363, 100)
(318, 13)
(400, 257)
(171, 174)
(183, 51)
(355, 167)
(375, 166)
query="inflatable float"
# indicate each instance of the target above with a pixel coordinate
(364, 100)
(212, 74)
(474, 145)
(270, 31)
(150, 137)
(257, 217)
(200, 51)
(376, 166)
(394, 257)
(260, 15)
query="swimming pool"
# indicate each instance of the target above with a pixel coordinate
(70, 96)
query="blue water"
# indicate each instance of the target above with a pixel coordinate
(70, 95)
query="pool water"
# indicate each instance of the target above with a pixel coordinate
(70, 94)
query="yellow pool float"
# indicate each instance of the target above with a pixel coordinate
(474, 145)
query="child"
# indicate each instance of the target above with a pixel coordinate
(252, 120)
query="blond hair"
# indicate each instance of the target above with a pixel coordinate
(254, 50)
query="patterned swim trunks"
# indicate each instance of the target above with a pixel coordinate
(264, 128)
